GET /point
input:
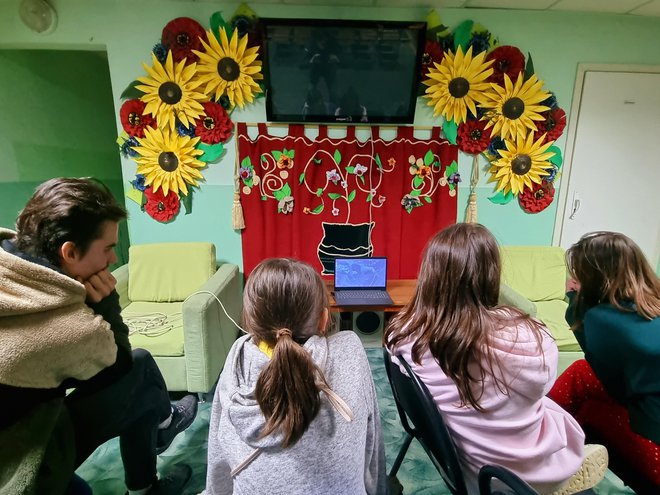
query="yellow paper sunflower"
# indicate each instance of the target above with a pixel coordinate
(456, 83)
(522, 162)
(511, 110)
(168, 160)
(229, 67)
(170, 92)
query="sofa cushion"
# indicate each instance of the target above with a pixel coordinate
(537, 272)
(552, 314)
(156, 327)
(169, 271)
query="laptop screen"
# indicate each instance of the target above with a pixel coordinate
(360, 273)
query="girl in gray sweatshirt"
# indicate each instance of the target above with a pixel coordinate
(295, 409)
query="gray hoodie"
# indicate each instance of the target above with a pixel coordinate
(334, 456)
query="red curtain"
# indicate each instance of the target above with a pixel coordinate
(316, 199)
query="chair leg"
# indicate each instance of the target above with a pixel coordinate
(401, 455)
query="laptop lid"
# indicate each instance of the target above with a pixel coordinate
(360, 273)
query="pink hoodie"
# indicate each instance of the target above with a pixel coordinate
(524, 431)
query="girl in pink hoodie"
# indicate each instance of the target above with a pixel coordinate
(489, 368)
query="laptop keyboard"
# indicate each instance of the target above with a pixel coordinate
(362, 294)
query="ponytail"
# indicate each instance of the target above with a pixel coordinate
(288, 389)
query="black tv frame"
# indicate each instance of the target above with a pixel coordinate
(417, 26)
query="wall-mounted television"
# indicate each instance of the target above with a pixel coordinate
(349, 72)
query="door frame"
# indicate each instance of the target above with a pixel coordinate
(573, 120)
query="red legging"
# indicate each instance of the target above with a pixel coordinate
(579, 392)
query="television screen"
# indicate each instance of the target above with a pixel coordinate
(347, 72)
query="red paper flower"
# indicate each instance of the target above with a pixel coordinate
(552, 126)
(538, 198)
(160, 207)
(133, 119)
(508, 60)
(432, 53)
(472, 136)
(214, 126)
(181, 36)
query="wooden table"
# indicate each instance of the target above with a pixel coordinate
(401, 292)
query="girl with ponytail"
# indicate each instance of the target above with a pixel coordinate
(295, 408)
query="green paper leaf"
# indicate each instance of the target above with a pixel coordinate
(276, 154)
(529, 68)
(450, 129)
(557, 159)
(361, 178)
(301, 179)
(246, 162)
(212, 152)
(319, 192)
(264, 198)
(378, 162)
(337, 157)
(279, 196)
(135, 195)
(291, 154)
(263, 158)
(334, 195)
(351, 196)
(131, 91)
(428, 158)
(462, 34)
(317, 161)
(452, 168)
(500, 198)
(318, 209)
(249, 182)
(187, 201)
(286, 189)
(428, 199)
(409, 209)
(217, 22)
(350, 170)
(369, 198)
(415, 192)
(418, 181)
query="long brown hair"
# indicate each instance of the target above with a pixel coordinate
(451, 313)
(283, 305)
(611, 268)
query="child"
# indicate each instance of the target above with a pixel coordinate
(489, 367)
(615, 313)
(295, 409)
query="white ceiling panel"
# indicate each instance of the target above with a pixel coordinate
(651, 8)
(612, 6)
(511, 4)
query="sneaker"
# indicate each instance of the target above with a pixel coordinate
(173, 483)
(182, 417)
(591, 472)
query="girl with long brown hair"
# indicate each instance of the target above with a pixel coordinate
(295, 408)
(614, 392)
(489, 367)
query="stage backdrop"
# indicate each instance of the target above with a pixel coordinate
(318, 199)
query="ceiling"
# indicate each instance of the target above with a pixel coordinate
(633, 7)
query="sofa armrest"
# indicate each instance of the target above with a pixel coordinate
(511, 297)
(208, 333)
(121, 274)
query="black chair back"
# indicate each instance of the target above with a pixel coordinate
(415, 403)
(496, 480)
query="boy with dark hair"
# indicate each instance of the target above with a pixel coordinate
(61, 328)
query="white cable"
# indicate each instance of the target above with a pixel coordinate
(151, 324)
(221, 305)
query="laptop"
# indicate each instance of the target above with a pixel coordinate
(361, 282)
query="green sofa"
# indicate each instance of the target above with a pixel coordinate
(538, 273)
(168, 297)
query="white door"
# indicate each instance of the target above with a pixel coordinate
(614, 178)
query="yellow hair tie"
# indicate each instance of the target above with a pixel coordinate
(266, 349)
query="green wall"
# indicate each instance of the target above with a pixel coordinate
(55, 123)
(558, 41)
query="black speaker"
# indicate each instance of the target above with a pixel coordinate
(369, 327)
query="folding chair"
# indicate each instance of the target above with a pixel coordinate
(507, 482)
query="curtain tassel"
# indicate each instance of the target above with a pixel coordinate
(471, 210)
(237, 219)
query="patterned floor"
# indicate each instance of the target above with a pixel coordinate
(104, 471)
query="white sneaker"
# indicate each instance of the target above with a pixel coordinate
(591, 472)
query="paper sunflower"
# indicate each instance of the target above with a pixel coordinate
(523, 162)
(456, 83)
(169, 161)
(170, 92)
(512, 110)
(229, 67)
